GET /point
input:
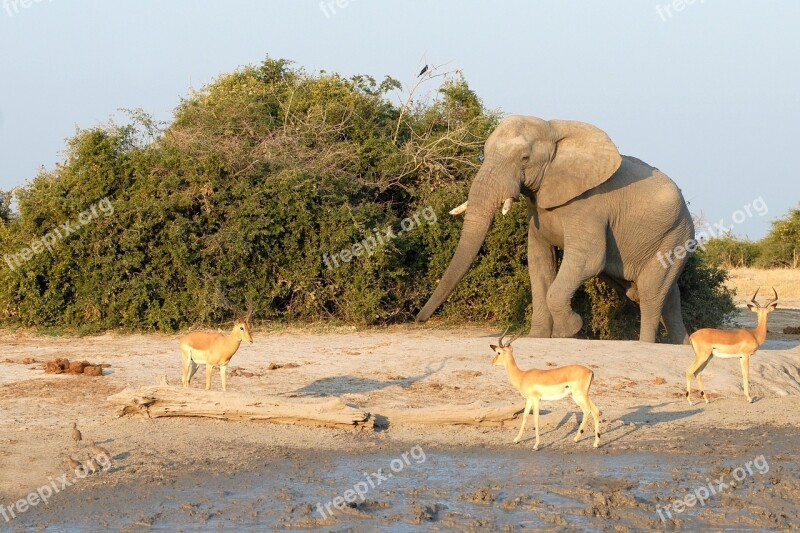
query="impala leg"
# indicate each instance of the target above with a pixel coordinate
(746, 376)
(689, 374)
(222, 370)
(581, 401)
(596, 419)
(536, 422)
(192, 369)
(528, 406)
(185, 376)
(700, 362)
(209, 369)
(702, 389)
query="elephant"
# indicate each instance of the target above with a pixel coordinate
(612, 215)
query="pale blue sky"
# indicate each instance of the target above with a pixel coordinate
(709, 94)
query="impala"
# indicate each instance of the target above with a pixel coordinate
(553, 384)
(728, 344)
(214, 349)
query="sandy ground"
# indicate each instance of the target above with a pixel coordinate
(202, 474)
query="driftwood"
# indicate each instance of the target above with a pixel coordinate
(158, 401)
(163, 400)
(474, 414)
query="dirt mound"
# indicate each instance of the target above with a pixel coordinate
(483, 494)
(64, 366)
(236, 371)
(276, 366)
(26, 361)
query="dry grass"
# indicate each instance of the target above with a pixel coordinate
(746, 280)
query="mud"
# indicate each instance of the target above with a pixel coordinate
(505, 489)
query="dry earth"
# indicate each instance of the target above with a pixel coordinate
(786, 281)
(189, 474)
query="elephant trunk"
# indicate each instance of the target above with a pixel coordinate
(483, 202)
(472, 236)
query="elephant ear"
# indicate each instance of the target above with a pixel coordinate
(583, 158)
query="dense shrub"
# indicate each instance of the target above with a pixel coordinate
(5, 207)
(730, 252)
(256, 186)
(781, 248)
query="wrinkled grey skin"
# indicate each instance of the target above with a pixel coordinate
(611, 215)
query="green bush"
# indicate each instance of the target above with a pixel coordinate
(781, 247)
(262, 178)
(5, 207)
(729, 252)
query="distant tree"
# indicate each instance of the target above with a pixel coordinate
(5, 206)
(781, 247)
(730, 252)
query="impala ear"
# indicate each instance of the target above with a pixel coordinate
(493, 347)
(583, 158)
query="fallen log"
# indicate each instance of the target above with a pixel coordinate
(160, 401)
(163, 400)
(474, 414)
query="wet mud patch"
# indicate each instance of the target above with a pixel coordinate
(507, 488)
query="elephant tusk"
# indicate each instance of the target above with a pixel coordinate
(507, 205)
(460, 209)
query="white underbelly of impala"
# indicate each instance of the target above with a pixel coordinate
(557, 396)
(723, 355)
(199, 357)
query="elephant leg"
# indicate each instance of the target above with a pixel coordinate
(673, 319)
(581, 261)
(542, 270)
(654, 284)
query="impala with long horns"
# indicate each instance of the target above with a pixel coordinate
(729, 344)
(554, 384)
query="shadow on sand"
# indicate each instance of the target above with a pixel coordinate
(645, 415)
(338, 385)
